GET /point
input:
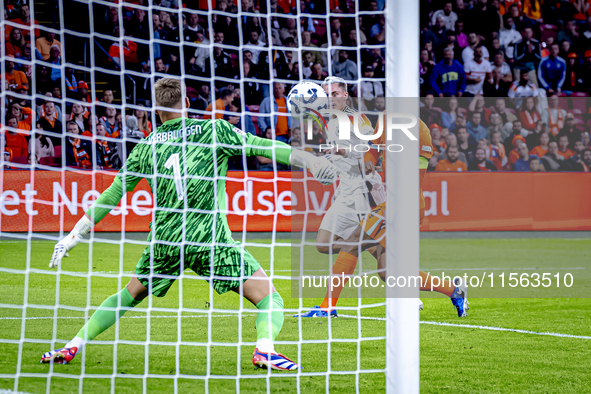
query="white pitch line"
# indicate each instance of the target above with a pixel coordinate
(432, 323)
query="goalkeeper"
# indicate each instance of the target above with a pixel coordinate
(185, 162)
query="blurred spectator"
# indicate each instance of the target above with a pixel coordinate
(570, 34)
(428, 113)
(49, 119)
(78, 151)
(499, 63)
(497, 152)
(552, 70)
(378, 31)
(586, 139)
(452, 140)
(480, 162)
(130, 53)
(25, 20)
(369, 88)
(496, 124)
(449, 17)
(519, 19)
(108, 97)
(574, 76)
(436, 140)
(448, 77)
(517, 131)
(495, 86)
(585, 161)
(106, 152)
(45, 43)
(554, 116)
(426, 69)
(71, 82)
(55, 58)
(449, 117)
(528, 114)
(552, 161)
(344, 68)
(110, 122)
(290, 29)
(522, 164)
(14, 77)
(200, 60)
(16, 44)
(575, 160)
(138, 26)
(465, 144)
(15, 141)
(514, 152)
(255, 41)
(460, 122)
(533, 139)
(479, 105)
(225, 98)
(192, 27)
(570, 130)
(43, 146)
(477, 71)
(111, 22)
(144, 124)
(542, 149)
(509, 36)
(483, 19)
(527, 55)
(317, 73)
(468, 52)
(535, 165)
(282, 122)
(563, 149)
(436, 35)
(204, 97)
(24, 116)
(461, 37)
(83, 94)
(523, 88)
(80, 115)
(451, 163)
(475, 129)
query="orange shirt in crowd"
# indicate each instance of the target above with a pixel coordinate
(219, 106)
(282, 127)
(17, 143)
(43, 46)
(15, 79)
(567, 154)
(26, 123)
(513, 156)
(538, 151)
(129, 51)
(446, 165)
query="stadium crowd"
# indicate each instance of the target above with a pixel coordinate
(90, 110)
(505, 84)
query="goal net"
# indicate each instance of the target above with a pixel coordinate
(77, 97)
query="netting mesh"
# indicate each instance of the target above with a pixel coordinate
(90, 68)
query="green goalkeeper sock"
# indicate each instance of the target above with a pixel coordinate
(270, 305)
(104, 318)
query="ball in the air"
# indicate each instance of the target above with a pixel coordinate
(305, 96)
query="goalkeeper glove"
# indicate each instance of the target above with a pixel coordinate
(323, 170)
(70, 241)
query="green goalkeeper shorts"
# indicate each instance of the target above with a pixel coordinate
(229, 267)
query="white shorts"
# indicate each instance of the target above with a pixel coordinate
(344, 215)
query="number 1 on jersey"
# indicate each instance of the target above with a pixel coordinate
(174, 162)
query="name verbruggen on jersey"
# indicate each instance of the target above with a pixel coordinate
(160, 137)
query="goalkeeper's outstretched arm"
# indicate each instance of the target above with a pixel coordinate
(322, 169)
(107, 201)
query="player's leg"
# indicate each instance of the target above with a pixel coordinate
(105, 316)
(325, 241)
(234, 263)
(114, 307)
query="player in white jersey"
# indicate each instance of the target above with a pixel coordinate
(351, 200)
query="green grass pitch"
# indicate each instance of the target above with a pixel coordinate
(453, 358)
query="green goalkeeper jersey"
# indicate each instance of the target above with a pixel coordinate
(185, 161)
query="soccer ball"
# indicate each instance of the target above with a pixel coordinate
(306, 96)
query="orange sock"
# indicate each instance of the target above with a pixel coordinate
(345, 264)
(446, 288)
